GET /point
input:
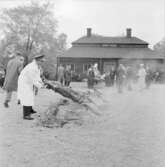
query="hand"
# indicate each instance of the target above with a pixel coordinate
(47, 86)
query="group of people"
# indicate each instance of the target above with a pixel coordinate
(23, 80)
(142, 77)
(122, 77)
(64, 75)
(126, 76)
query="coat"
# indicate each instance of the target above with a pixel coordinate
(67, 75)
(120, 75)
(29, 77)
(61, 71)
(13, 70)
(91, 78)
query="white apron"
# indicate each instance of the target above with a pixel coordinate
(29, 77)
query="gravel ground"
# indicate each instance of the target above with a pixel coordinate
(129, 133)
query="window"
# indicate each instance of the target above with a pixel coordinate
(72, 67)
(86, 67)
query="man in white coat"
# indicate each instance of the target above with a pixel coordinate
(29, 77)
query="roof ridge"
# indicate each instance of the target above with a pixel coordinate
(109, 39)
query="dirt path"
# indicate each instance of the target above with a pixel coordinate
(129, 133)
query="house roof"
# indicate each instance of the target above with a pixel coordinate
(98, 52)
(97, 39)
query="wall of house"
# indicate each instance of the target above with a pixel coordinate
(81, 65)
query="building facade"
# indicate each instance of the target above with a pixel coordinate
(108, 52)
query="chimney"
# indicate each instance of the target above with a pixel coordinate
(129, 32)
(89, 32)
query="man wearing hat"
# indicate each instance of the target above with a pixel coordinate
(30, 77)
(14, 67)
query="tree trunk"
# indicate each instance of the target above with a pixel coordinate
(65, 91)
(75, 96)
(28, 49)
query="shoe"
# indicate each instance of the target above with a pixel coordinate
(33, 112)
(6, 105)
(28, 117)
(18, 102)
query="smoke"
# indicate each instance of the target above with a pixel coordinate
(154, 65)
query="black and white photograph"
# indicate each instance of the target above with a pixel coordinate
(82, 83)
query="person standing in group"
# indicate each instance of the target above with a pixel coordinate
(112, 75)
(120, 77)
(60, 74)
(107, 78)
(91, 77)
(29, 77)
(148, 77)
(96, 73)
(129, 77)
(141, 77)
(67, 75)
(14, 67)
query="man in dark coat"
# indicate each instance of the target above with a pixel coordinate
(112, 75)
(148, 77)
(67, 76)
(91, 77)
(107, 79)
(14, 67)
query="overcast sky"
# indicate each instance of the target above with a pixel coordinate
(107, 17)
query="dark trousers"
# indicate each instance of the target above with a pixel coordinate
(27, 110)
(67, 83)
(61, 80)
(8, 96)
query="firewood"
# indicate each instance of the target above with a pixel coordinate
(67, 92)
(75, 96)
